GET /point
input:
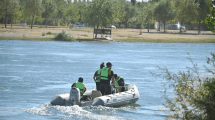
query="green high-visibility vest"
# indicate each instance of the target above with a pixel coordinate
(98, 75)
(81, 86)
(104, 73)
(116, 82)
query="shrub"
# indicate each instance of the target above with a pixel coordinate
(49, 33)
(194, 93)
(64, 37)
(43, 34)
(122, 26)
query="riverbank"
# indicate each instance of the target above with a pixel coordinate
(18, 32)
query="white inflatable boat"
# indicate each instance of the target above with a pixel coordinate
(94, 98)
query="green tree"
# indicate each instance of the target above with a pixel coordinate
(50, 9)
(164, 12)
(130, 12)
(149, 9)
(203, 10)
(33, 8)
(9, 8)
(141, 17)
(100, 13)
(120, 12)
(81, 8)
(210, 20)
(61, 11)
(133, 2)
(72, 14)
(186, 11)
(194, 93)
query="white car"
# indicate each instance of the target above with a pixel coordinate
(78, 25)
(112, 26)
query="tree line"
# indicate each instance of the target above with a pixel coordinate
(101, 13)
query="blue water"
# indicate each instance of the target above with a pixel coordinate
(32, 72)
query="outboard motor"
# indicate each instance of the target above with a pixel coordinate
(75, 96)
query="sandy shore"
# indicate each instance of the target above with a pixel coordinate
(117, 34)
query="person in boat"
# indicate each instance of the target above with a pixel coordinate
(106, 76)
(80, 85)
(119, 83)
(96, 76)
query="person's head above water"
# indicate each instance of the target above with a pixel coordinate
(108, 64)
(102, 65)
(80, 79)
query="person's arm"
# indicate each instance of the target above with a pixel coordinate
(112, 78)
(84, 89)
(73, 85)
(94, 77)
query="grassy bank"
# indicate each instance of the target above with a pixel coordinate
(120, 40)
(118, 35)
(168, 40)
(25, 38)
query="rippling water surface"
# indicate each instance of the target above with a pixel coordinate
(32, 72)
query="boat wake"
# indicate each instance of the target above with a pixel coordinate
(77, 112)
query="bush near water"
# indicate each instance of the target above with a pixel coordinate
(64, 37)
(194, 93)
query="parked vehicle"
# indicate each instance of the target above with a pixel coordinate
(112, 26)
(176, 27)
(78, 25)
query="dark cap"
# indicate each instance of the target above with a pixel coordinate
(108, 64)
(80, 79)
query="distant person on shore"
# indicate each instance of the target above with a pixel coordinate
(96, 76)
(119, 83)
(80, 85)
(107, 75)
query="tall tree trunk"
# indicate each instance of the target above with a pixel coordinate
(140, 29)
(159, 26)
(164, 22)
(93, 31)
(46, 23)
(126, 25)
(6, 18)
(199, 27)
(29, 21)
(97, 29)
(57, 21)
(11, 22)
(3, 20)
(148, 26)
(119, 24)
(32, 21)
(180, 27)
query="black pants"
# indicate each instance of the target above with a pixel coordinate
(105, 89)
(98, 86)
(83, 98)
(121, 83)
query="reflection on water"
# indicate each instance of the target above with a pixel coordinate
(32, 72)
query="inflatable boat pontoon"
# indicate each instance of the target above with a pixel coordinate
(95, 98)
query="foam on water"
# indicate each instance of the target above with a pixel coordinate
(76, 112)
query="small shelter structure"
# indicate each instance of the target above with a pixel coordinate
(104, 33)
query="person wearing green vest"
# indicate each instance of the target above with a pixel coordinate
(119, 83)
(96, 76)
(80, 85)
(106, 75)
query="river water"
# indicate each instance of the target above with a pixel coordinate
(32, 72)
